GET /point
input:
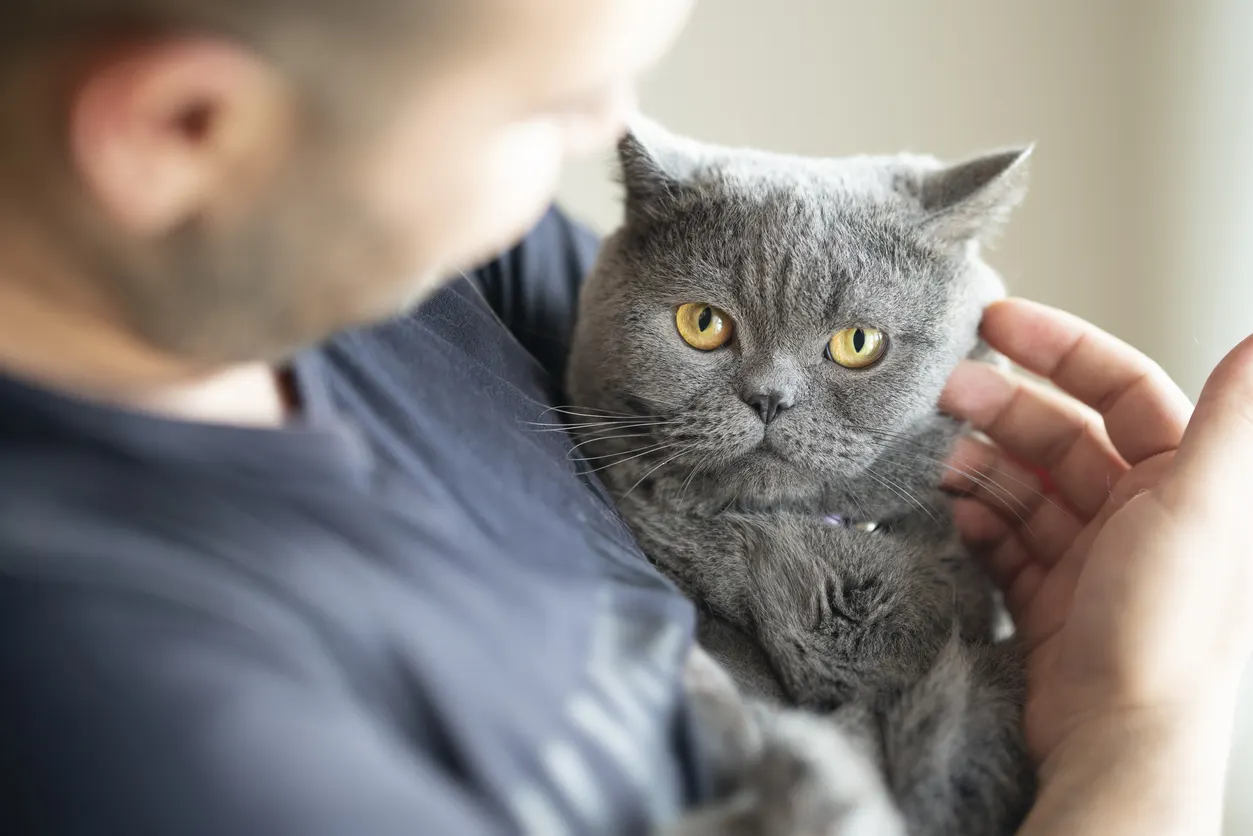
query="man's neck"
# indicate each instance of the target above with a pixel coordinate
(77, 352)
(250, 395)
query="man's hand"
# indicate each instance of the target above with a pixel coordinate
(1124, 550)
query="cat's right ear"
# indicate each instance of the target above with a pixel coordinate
(654, 166)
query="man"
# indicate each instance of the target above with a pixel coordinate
(250, 586)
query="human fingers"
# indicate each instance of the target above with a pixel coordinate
(1144, 411)
(1043, 526)
(1041, 426)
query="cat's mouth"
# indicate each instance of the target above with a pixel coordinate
(771, 445)
(766, 447)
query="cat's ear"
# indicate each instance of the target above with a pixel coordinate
(970, 201)
(654, 165)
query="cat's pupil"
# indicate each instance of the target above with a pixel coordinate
(859, 340)
(706, 317)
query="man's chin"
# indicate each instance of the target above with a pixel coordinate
(423, 286)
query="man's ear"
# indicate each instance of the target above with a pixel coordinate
(162, 131)
(971, 200)
(655, 164)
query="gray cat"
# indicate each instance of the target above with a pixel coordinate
(759, 354)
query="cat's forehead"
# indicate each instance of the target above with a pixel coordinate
(798, 241)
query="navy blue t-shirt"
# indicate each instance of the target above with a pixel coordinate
(407, 615)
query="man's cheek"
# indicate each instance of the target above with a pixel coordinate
(515, 182)
(524, 168)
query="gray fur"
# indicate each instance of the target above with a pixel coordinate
(900, 705)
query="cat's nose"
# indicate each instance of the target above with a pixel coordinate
(768, 404)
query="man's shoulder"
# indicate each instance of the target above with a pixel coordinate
(534, 287)
(556, 249)
(474, 368)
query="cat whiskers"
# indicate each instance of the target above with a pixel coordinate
(904, 439)
(581, 429)
(651, 445)
(599, 412)
(597, 435)
(997, 490)
(665, 403)
(630, 456)
(896, 488)
(865, 515)
(582, 412)
(1000, 493)
(688, 483)
(599, 425)
(650, 472)
(595, 410)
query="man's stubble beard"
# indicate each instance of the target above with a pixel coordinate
(301, 264)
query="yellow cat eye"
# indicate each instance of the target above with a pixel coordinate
(703, 326)
(856, 348)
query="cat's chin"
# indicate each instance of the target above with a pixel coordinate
(765, 480)
(768, 504)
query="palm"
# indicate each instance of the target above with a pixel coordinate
(1072, 622)
(1060, 552)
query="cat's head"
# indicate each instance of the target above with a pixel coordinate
(782, 325)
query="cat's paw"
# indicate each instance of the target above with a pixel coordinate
(809, 780)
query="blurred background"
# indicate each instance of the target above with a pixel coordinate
(1140, 215)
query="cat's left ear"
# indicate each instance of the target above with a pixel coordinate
(655, 166)
(970, 201)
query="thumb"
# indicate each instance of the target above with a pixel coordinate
(1213, 468)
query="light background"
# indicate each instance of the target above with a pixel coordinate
(1140, 215)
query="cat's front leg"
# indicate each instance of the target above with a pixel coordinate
(779, 772)
(807, 779)
(708, 557)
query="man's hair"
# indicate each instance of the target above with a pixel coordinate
(340, 57)
(310, 38)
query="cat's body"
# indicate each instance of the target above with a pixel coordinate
(795, 498)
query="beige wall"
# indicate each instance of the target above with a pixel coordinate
(1141, 212)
